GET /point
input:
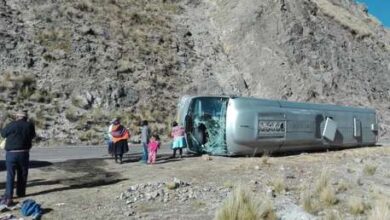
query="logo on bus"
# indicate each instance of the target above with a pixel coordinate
(271, 128)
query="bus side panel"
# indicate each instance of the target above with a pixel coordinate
(368, 122)
(242, 136)
(303, 129)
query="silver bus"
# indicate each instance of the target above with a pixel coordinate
(222, 125)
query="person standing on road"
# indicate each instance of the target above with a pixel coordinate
(108, 138)
(19, 135)
(179, 141)
(154, 145)
(120, 134)
(145, 136)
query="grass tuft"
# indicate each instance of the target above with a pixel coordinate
(328, 196)
(243, 205)
(356, 205)
(278, 185)
(370, 169)
(381, 210)
(322, 181)
(308, 203)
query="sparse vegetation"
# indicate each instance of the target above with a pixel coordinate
(381, 210)
(323, 196)
(278, 185)
(343, 186)
(90, 136)
(228, 184)
(308, 203)
(332, 215)
(71, 114)
(328, 196)
(369, 169)
(245, 206)
(322, 181)
(344, 18)
(356, 205)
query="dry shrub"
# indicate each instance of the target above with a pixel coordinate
(370, 169)
(265, 159)
(381, 210)
(328, 196)
(323, 194)
(91, 136)
(278, 185)
(356, 205)
(71, 114)
(308, 203)
(322, 181)
(332, 215)
(243, 205)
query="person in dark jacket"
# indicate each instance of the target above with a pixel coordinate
(19, 135)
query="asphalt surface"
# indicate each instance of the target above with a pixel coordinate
(64, 153)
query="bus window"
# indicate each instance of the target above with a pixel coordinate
(208, 125)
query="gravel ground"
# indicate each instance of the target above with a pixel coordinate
(194, 187)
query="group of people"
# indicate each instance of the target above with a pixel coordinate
(20, 133)
(118, 135)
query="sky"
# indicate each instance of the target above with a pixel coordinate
(380, 9)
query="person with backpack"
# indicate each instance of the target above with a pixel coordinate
(120, 135)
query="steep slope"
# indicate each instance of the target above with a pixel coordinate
(314, 51)
(76, 64)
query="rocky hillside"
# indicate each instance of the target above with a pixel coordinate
(75, 64)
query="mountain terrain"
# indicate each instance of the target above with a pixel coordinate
(76, 64)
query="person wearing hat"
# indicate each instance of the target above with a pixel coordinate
(19, 135)
(119, 134)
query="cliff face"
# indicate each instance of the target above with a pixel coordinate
(76, 64)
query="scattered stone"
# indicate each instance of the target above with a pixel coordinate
(129, 213)
(290, 176)
(172, 185)
(123, 196)
(270, 193)
(206, 157)
(257, 167)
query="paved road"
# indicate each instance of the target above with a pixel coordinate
(63, 153)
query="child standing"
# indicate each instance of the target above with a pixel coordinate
(179, 141)
(154, 145)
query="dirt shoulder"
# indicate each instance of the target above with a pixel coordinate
(102, 189)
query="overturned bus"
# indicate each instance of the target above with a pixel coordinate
(221, 125)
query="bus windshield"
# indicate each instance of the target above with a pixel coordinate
(206, 125)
